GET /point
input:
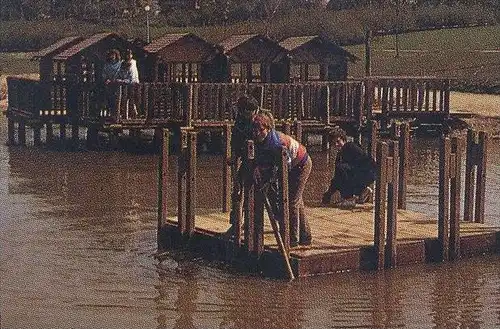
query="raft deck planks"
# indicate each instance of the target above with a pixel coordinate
(344, 238)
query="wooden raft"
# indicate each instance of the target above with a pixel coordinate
(343, 239)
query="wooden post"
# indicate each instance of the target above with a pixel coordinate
(469, 175)
(21, 133)
(181, 182)
(74, 134)
(455, 185)
(163, 181)
(380, 201)
(481, 177)
(11, 131)
(287, 128)
(368, 52)
(327, 104)
(249, 219)
(444, 197)
(49, 130)
(404, 155)
(392, 203)
(37, 134)
(191, 184)
(284, 202)
(298, 131)
(62, 131)
(92, 136)
(226, 171)
(258, 222)
(475, 189)
(372, 146)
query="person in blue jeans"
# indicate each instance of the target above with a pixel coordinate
(355, 171)
(269, 144)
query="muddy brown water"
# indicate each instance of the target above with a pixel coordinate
(78, 230)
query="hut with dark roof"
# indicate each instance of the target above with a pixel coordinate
(253, 58)
(185, 57)
(45, 56)
(315, 58)
(83, 61)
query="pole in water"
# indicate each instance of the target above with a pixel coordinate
(277, 235)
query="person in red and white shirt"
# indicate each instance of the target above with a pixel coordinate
(268, 147)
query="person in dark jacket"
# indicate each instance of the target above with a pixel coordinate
(355, 171)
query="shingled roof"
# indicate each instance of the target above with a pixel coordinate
(83, 45)
(294, 43)
(164, 41)
(57, 46)
(236, 40)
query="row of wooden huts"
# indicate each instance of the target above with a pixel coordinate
(186, 57)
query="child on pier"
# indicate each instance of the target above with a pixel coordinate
(355, 170)
(268, 147)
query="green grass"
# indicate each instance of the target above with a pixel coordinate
(17, 63)
(471, 56)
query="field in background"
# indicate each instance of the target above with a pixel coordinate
(471, 55)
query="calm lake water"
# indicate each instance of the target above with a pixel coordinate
(78, 231)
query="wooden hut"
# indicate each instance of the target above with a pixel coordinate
(185, 57)
(45, 56)
(252, 58)
(315, 58)
(83, 61)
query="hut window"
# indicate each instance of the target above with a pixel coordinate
(313, 72)
(294, 72)
(256, 76)
(236, 73)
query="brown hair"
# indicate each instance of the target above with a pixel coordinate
(339, 133)
(263, 120)
(246, 104)
(113, 52)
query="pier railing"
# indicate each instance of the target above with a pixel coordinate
(319, 102)
(409, 97)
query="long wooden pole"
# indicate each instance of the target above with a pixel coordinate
(277, 235)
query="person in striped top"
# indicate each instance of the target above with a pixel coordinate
(268, 147)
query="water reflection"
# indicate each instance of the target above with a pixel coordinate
(78, 230)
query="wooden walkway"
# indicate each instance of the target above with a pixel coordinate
(343, 239)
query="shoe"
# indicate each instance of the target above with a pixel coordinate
(347, 204)
(326, 198)
(365, 195)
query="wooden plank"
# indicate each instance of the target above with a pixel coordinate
(226, 170)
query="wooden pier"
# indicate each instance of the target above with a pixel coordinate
(380, 234)
(35, 105)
